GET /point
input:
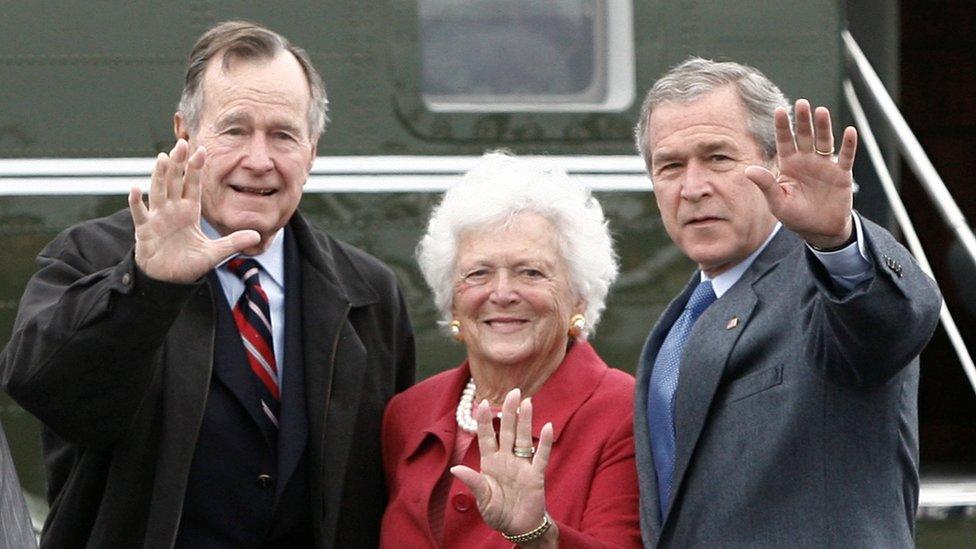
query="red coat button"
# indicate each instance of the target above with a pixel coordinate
(462, 502)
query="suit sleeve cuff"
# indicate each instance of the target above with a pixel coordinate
(849, 266)
(161, 294)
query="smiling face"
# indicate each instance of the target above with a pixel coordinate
(254, 125)
(512, 295)
(699, 152)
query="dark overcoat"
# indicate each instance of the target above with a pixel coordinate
(117, 367)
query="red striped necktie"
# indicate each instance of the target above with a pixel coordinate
(252, 314)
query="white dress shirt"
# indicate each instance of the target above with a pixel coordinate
(847, 267)
(272, 277)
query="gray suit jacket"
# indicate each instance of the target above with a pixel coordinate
(796, 408)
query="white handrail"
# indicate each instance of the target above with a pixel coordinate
(905, 223)
(330, 174)
(910, 147)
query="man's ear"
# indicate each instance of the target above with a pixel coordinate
(315, 148)
(180, 128)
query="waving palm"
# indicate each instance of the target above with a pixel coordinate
(812, 195)
(170, 245)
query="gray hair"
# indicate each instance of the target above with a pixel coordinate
(696, 77)
(246, 40)
(497, 189)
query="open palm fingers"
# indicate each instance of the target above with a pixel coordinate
(848, 148)
(177, 175)
(137, 208)
(823, 140)
(193, 173)
(475, 481)
(538, 455)
(157, 185)
(814, 132)
(523, 447)
(509, 420)
(804, 132)
(173, 182)
(541, 458)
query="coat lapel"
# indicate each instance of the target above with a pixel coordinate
(707, 351)
(567, 389)
(186, 382)
(293, 427)
(334, 356)
(231, 368)
(702, 364)
(432, 439)
(443, 425)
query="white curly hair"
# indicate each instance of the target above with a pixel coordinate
(497, 189)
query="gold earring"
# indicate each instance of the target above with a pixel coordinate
(577, 323)
(455, 328)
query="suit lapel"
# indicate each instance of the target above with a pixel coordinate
(707, 351)
(231, 366)
(293, 430)
(702, 364)
(650, 506)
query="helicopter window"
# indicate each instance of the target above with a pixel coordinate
(512, 55)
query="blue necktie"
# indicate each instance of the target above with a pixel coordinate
(664, 382)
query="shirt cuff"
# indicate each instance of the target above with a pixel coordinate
(848, 266)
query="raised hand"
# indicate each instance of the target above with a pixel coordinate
(813, 193)
(510, 490)
(170, 245)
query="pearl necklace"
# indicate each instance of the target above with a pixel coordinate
(464, 420)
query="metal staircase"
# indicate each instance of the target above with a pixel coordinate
(943, 494)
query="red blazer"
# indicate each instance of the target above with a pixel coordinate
(591, 480)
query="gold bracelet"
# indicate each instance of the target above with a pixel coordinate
(533, 534)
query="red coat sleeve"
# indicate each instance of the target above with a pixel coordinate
(610, 517)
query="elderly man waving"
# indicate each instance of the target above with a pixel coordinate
(196, 402)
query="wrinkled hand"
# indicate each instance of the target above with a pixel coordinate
(170, 245)
(510, 490)
(813, 193)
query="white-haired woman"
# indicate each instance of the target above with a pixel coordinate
(520, 260)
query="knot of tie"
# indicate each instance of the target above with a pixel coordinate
(245, 268)
(701, 298)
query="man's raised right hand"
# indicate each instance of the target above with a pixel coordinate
(170, 245)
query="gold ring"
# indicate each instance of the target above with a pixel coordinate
(824, 153)
(523, 452)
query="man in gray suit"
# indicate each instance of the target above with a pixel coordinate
(777, 395)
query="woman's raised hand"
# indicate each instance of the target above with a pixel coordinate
(510, 489)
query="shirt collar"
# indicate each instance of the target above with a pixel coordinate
(724, 281)
(272, 260)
